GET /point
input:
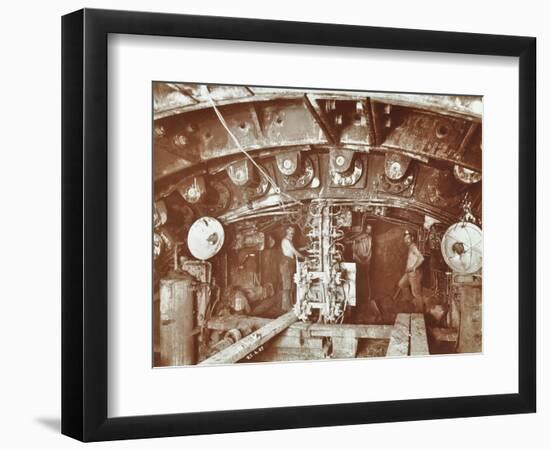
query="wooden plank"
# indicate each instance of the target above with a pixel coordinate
(248, 344)
(469, 334)
(229, 322)
(176, 342)
(296, 342)
(399, 339)
(419, 339)
(344, 347)
(281, 354)
(304, 328)
(344, 330)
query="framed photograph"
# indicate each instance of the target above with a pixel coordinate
(273, 225)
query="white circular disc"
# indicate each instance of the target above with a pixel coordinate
(205, 238)
(462, 247)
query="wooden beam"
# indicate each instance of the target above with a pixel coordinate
(281, 354)
(248, 344)
(297, 342)
(469, 331)
(229, 322)
(305, 328)
(399, 340)
(344, 347)
(419, 339)
(344, 330)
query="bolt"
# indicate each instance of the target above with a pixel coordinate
(180, 140)
(160, 131)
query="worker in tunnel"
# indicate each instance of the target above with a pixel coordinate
(288, 267)
(362, 255)
(413, 275)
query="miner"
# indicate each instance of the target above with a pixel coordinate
(362, 254)
(288, 267)
(413, 275)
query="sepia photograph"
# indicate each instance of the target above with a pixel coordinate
(314, 224)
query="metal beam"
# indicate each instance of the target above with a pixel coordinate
(321, 119)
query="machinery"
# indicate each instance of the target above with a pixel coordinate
(462, 249)
(235, 166)
(324, 281)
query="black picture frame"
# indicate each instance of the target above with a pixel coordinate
(84, 224)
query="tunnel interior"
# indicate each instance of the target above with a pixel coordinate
(327, 165)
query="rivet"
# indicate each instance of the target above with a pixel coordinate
(180, 140)
(160, 131)
(441, 131)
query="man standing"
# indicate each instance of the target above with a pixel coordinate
(288, 267)
(413, 274)
(362, 253)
